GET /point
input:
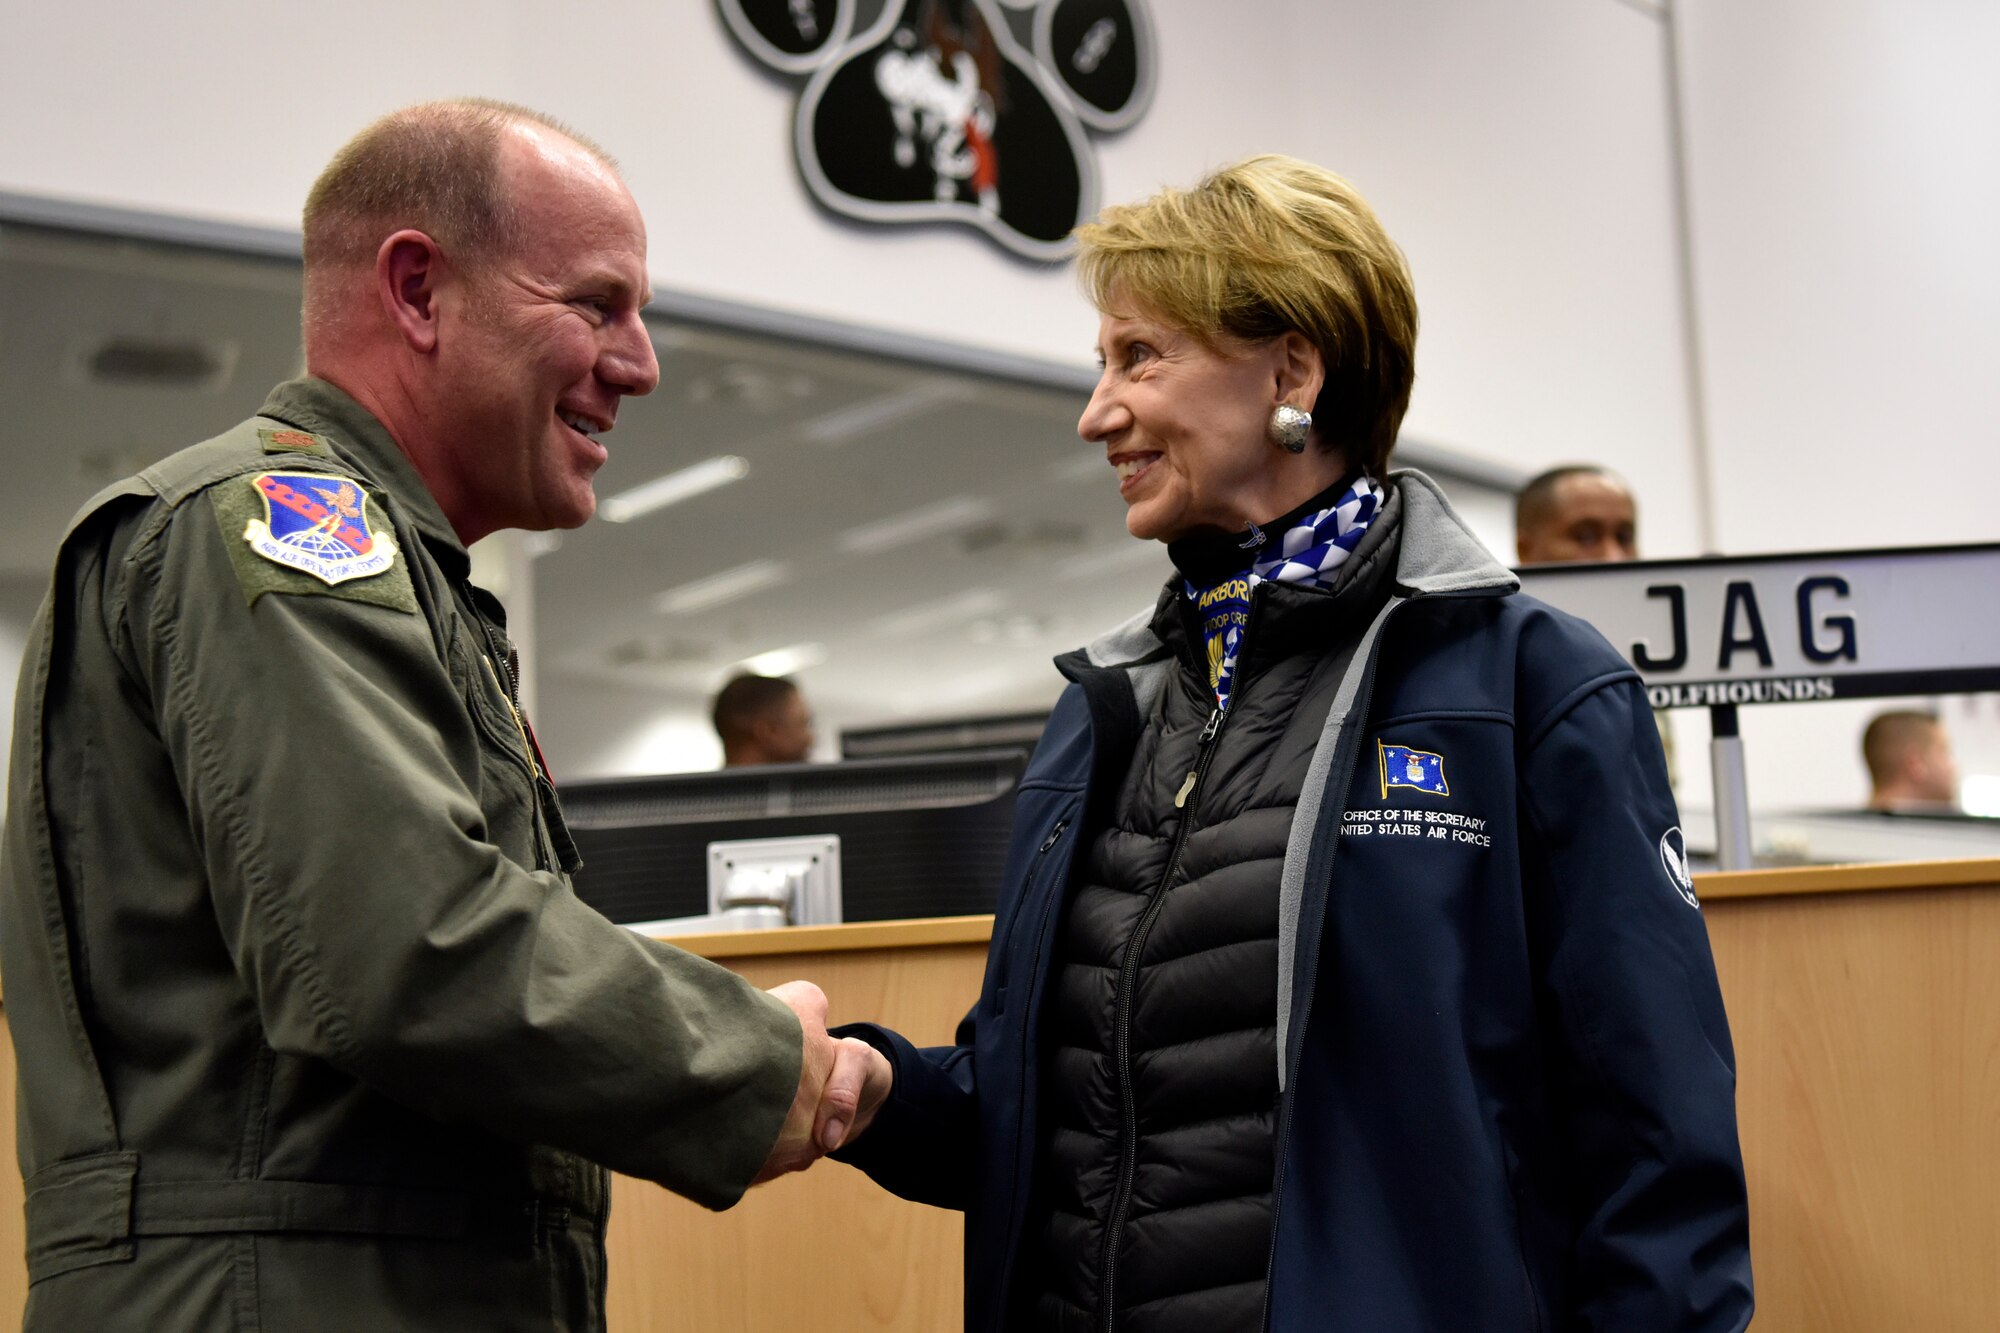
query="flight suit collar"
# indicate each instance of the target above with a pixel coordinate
(324, 408)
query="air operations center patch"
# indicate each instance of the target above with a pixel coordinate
(320, 530)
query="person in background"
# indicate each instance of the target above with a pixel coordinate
(1345, 973)
(762, 720)
(1579, 513)
(1573, 514)
(1910, 764)
(313, 1034)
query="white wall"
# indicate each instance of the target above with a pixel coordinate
(1846, 193)
(1517, 151)
(1842, 160)
(1845, 181)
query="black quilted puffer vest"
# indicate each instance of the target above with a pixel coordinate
(1160, 1088)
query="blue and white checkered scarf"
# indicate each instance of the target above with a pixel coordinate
(1309, 552)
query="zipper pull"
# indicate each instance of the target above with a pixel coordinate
(1213, 725)
(1054, 833)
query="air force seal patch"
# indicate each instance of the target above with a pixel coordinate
(1401, 766)
(318, 524)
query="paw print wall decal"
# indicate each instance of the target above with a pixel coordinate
(972, 111)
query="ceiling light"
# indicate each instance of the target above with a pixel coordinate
(785, 661)
(876, 414)
(1979, 794)
(915, 525)
(1131, 553)
(730, 584)
(673, 488)
(967, 605)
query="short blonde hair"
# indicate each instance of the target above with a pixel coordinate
(1269, 246)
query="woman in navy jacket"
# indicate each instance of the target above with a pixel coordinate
(1347, 973)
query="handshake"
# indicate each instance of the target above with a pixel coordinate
(841, 1086)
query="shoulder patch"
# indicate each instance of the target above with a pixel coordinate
(292, 441)
(310, 532)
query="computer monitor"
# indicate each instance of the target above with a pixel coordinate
(945, 735)
(919, 836)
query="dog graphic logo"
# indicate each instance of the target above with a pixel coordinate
(971, 111)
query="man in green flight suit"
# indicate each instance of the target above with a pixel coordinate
(312, 1033)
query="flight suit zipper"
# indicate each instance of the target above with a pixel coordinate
(1128, 982)
(555, 849)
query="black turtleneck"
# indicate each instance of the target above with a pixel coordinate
(1208, 557)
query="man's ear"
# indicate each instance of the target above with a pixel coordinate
(409, 269)
(1300, 371)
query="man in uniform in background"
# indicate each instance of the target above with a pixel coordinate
(312, 1033)
(762, 720)
(1576, 513)
(1910, 764)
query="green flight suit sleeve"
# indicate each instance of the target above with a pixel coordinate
(332, 770)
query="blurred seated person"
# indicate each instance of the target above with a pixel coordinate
(1910, 764)
(1573, 514)
(762, 720)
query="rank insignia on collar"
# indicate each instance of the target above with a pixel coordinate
(319, 524)
(1401, 766)
(297, 441)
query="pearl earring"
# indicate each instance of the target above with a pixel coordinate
(1289, 426)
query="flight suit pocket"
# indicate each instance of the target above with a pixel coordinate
(79, 1213)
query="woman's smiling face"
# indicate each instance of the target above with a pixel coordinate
(1184, 425)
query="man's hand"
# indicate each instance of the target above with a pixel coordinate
(841, 1086)
(856, 1090)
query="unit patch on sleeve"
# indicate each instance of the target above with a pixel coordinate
(310, 532)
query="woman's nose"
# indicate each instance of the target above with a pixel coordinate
(1098, 417)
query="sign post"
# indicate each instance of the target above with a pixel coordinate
(1735, 630)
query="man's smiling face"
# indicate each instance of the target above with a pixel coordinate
(548, 341)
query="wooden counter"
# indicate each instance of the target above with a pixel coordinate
(1865, 1006)
(1865, 1003)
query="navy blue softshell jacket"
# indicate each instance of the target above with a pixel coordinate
(1508, 1088)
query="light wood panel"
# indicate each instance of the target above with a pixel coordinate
(1865, 1005)
(826, 1250)
(13, 1199)
(1858, 878)
(1867, 1030)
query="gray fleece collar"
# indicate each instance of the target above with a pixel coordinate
(1438, 553)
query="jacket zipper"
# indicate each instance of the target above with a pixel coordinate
(1128, 981)
(1048, 906)
(1364, 699)
(1038, 963)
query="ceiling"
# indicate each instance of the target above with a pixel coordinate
(923, 528)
